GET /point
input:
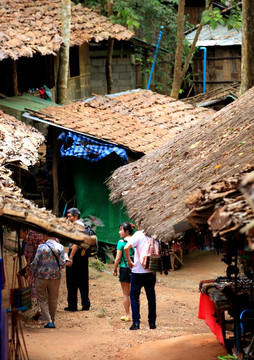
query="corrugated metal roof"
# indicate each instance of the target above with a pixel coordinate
(25, 102)
(221, 36)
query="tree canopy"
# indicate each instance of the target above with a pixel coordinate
(145, 18)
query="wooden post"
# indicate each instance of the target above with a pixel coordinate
(109, 53)
(14, 78)
(109, 66)
(19, 248)
(54, 171)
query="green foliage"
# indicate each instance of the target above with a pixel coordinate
(234, 20)
(108, 252)
(125, 15)
(145, 18)
(213, 17)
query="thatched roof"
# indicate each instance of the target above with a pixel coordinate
(155, 187)
(19, 146)
(140, 120)
(33, 26)
(18, 142)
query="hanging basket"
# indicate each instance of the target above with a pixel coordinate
(154, 264)
(21, 295)
(21, 298)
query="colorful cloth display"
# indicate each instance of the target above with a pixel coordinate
(206, 312)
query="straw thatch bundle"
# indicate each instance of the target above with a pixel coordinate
(155, 187)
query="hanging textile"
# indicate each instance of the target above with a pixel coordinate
(84, 147)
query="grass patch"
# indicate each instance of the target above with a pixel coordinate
(102, 313)
(97, 264)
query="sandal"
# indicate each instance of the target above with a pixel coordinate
(124, 318)
(50, 325)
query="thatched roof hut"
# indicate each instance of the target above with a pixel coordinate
(34, 26)
(205, 161)
(19, 146)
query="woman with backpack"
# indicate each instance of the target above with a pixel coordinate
(125, 232)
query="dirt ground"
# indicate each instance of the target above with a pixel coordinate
(100, 334)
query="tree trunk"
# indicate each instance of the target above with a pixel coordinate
(180, 73)
(247, 68)
(110, 7)
(63, 70)
(177, 82)
(109, 54)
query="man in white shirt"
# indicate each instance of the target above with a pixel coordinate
(140, 277)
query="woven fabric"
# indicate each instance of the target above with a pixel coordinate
(87, 148)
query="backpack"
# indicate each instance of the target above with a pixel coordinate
(150, 257)
(92, 250)
(131, 254)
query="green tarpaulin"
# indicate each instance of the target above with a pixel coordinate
(93, 196)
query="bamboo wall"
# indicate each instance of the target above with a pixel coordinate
(223, 67)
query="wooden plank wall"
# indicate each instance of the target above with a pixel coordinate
(194, 14)
(223, 67)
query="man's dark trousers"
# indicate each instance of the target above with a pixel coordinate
(138, 280)
(77, 278)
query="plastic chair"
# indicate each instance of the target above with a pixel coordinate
(247, 321)
(247, 326)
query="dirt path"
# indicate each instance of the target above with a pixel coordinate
(99, 333)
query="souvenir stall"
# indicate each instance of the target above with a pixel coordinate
(19, 213)
(227, 302)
